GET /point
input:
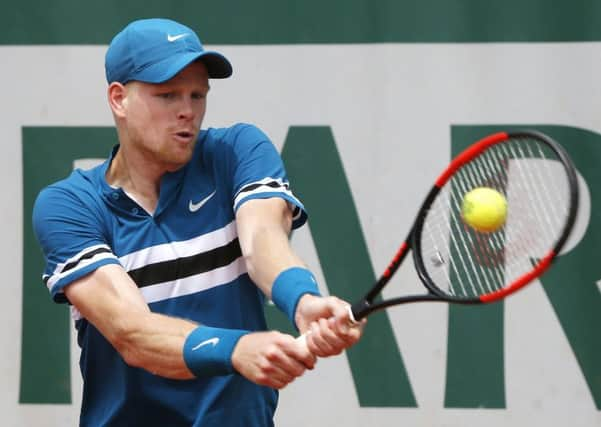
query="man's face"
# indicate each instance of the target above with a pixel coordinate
(162, 120)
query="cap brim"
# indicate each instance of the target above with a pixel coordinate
(217, 65)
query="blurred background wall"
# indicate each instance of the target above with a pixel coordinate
(367, 100)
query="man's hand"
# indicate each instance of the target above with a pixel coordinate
(327, 324)
(271, 358)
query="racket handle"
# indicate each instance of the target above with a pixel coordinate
(359, 310)
(351, 315)
(302, 339)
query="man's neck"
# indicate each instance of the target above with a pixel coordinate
(139, 178)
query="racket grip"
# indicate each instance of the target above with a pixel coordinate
(302, 339)
(359, 310)
(352, 317)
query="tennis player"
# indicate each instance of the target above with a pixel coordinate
(167, 252)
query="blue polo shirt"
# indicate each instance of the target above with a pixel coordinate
(185, 259)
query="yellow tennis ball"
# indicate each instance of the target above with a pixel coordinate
(484, 209)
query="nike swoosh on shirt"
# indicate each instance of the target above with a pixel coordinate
(196, 206)
(214, 341)
(171, 38)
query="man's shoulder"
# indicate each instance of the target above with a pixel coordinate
(237, 140)
(232, 134)
(78, 185)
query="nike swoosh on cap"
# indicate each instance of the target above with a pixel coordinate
(171, 38)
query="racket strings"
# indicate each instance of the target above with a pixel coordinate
(480, 279)
(466, 263)
(471, 278)
(496, 179)
(544, 196)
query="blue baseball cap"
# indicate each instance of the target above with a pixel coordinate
(155, 50)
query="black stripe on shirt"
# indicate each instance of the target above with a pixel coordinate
(87, 255)
(167, 271)
(272, 184)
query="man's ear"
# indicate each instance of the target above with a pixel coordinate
(117, 98)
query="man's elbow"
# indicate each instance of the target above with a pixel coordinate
(124, 338)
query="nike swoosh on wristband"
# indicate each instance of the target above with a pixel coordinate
(196, 206)
(214, 341)
(171, 38)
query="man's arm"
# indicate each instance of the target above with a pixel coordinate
(263, 229)
(111, 301)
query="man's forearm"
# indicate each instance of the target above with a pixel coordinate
(268, 255)
(155, 343)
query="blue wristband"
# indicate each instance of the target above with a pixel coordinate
(208, 351)
(290, 286)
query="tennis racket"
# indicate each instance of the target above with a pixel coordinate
(459, 264)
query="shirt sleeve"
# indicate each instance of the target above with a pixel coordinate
(258, 171)
(70, 235)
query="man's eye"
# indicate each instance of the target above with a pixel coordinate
(166, 95)
(199, 95)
